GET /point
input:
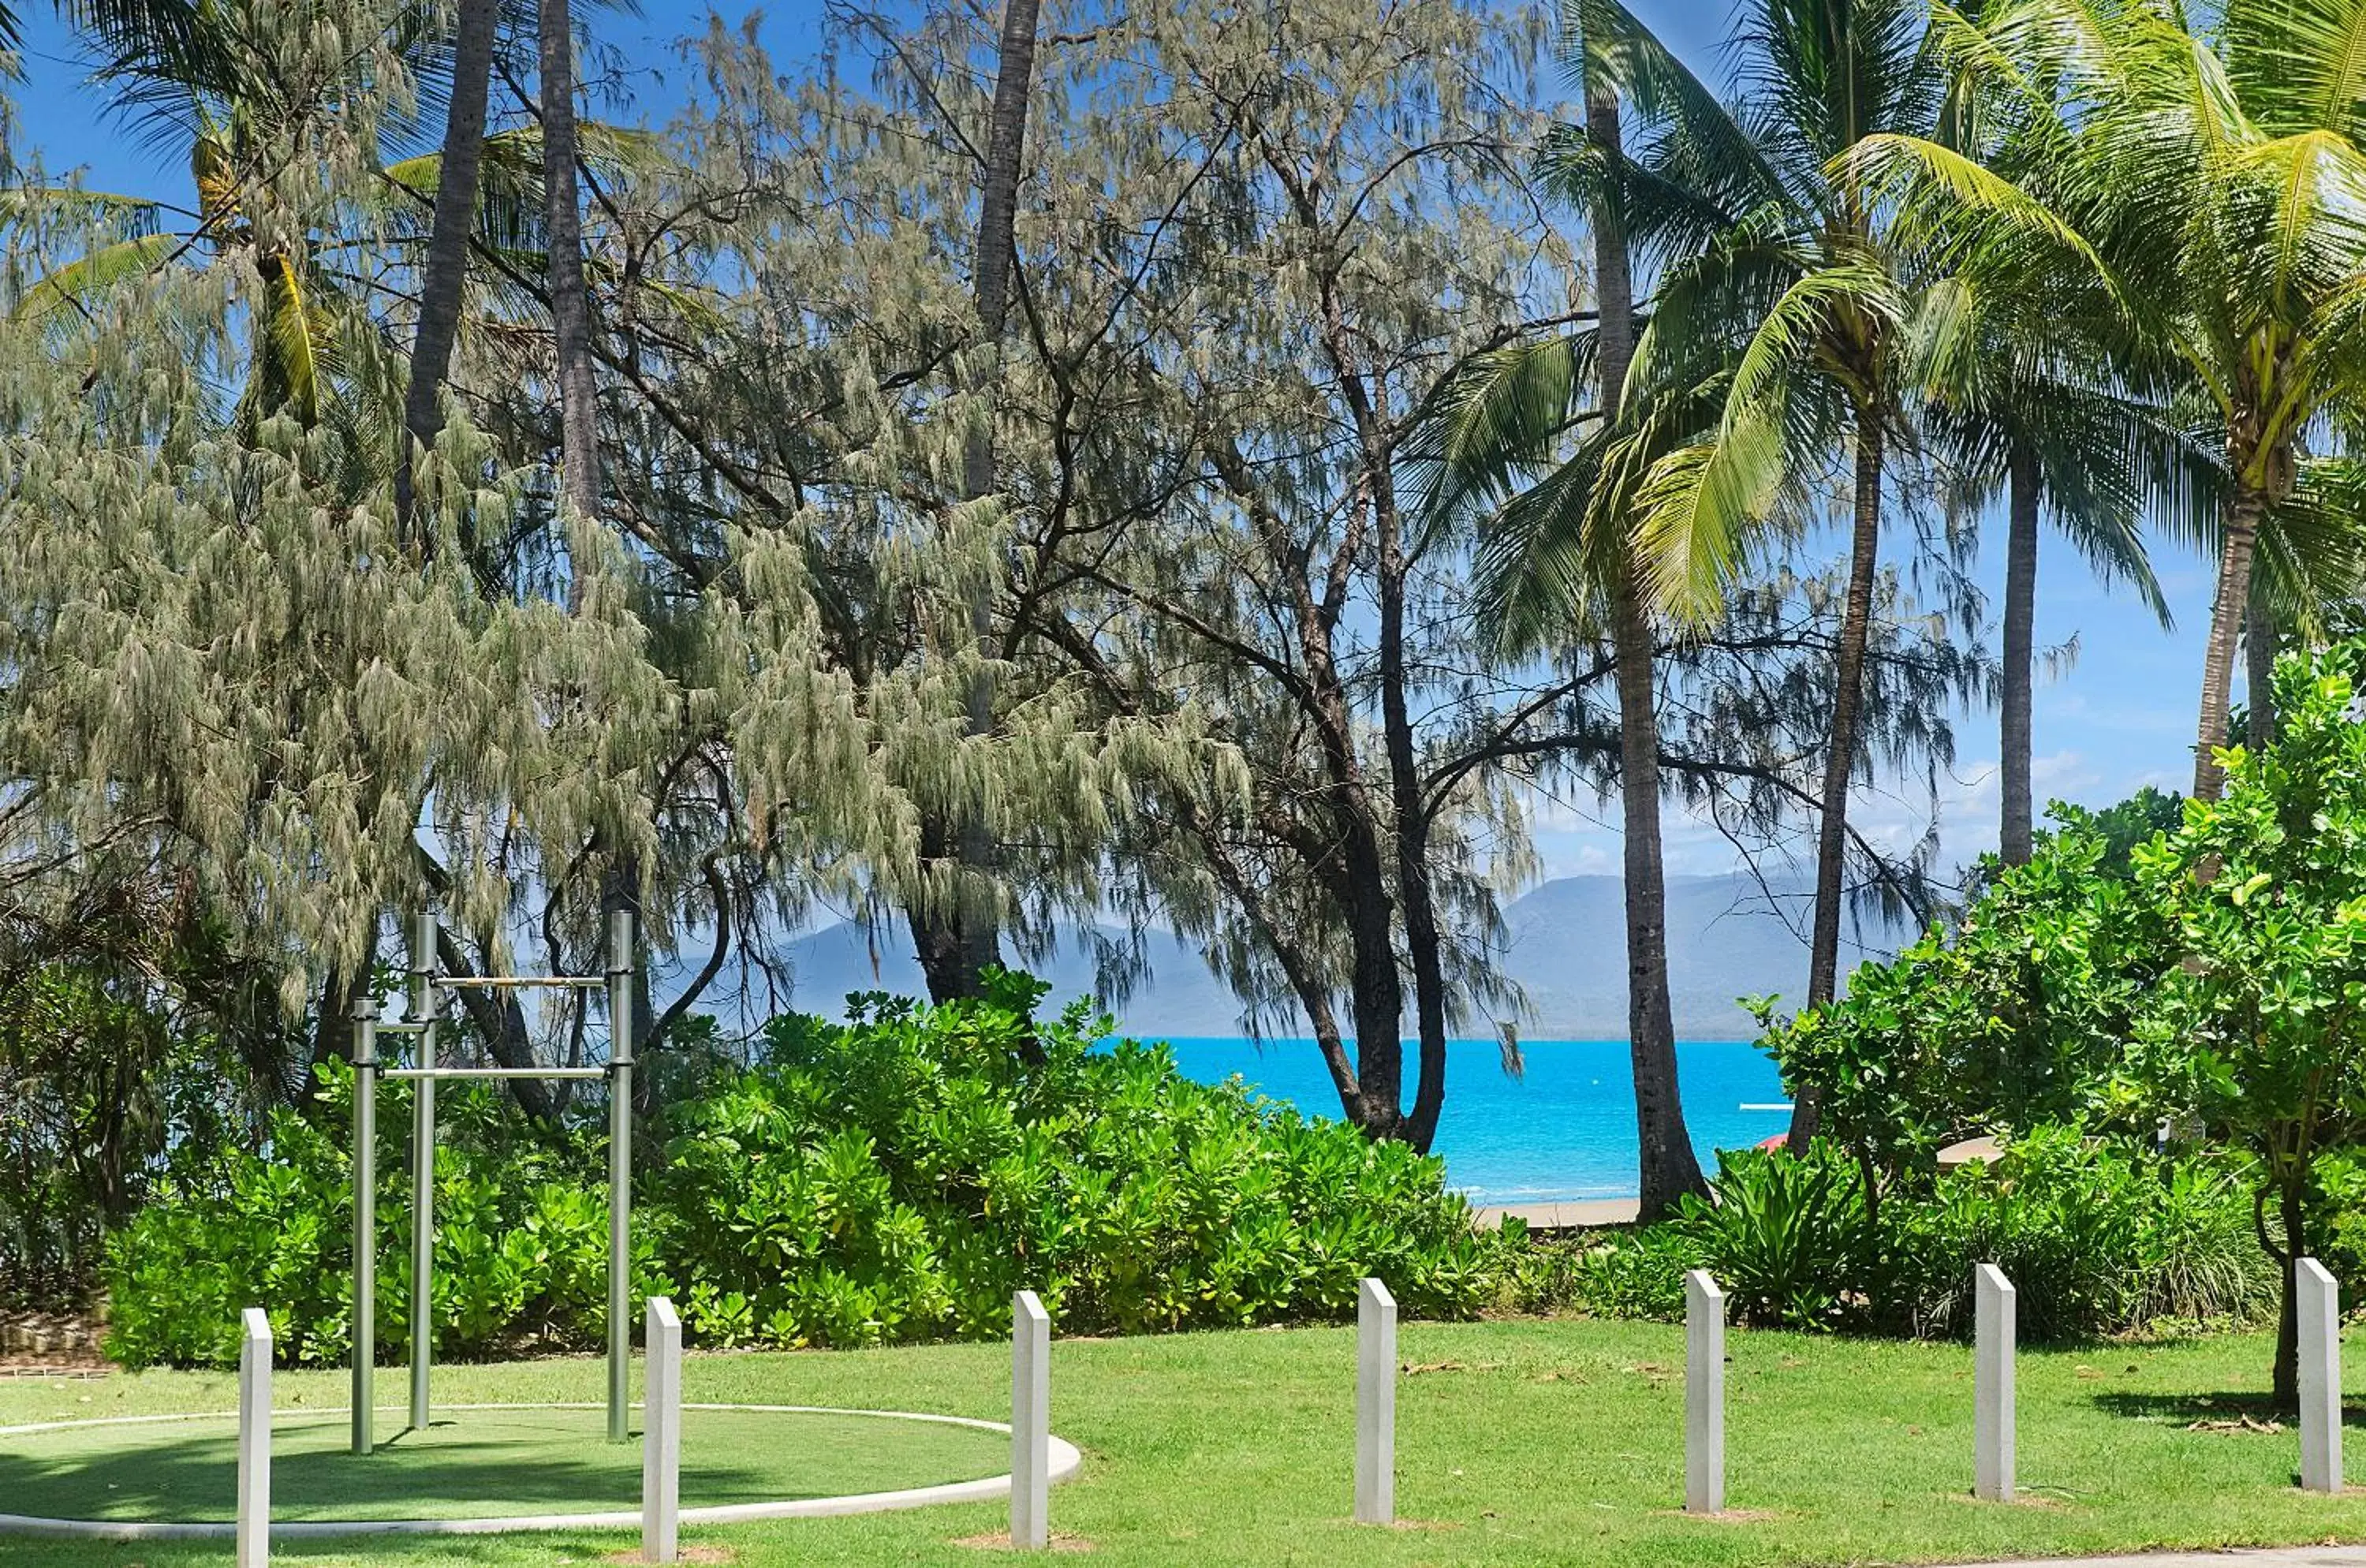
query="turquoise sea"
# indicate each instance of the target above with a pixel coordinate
(1564, 1130)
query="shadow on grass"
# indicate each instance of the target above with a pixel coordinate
(428, 1552)
(163, 1474)
(2231, 1409)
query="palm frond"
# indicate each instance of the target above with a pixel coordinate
(79, 282)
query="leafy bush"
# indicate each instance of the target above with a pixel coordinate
(2213, 982)
(1786, 1237)
(270, 1230)
(902, 1175)
(2016, 1018)
(100, 1077)
(520, 1242)
(897, 1176)
(2096, 1238)
(1610, 1274)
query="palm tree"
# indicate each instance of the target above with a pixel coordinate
(570, 302)
(1781, 292)
(445, 276)
(2023, 403)
(2212, 187)
(153, 29)
(1557, 557)
(207, 71)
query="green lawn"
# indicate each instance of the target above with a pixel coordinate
(1518, 1443)
(479, 1463)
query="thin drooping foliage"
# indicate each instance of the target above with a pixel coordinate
(1066, 473)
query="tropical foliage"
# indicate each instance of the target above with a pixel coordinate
(2208, 982)
(1183, 468)
(892, 1178)
(2098, 1238)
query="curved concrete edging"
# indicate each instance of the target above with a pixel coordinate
(1065, 1461)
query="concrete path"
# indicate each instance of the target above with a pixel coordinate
(1590, 1214)
(2265, 1557)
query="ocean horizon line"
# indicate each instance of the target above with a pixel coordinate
(1561, 1130)
(1148, 1037)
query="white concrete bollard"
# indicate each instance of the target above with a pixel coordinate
(254, 1440)
(1376, 1404)
(1704, 1394)
(1030, 1423)
(2320, 1300)
(661, 1436)
(1992, 1390)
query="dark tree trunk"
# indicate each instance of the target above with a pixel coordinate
(2286, 1382)
(1668, 1169)
(500, 1021)
(937, 931)
(1006, 146)
(333, 1030)
(1840, 755)
(1422, 938)
(2016, 834)
(1379, 995)
(443, 281)
(2228, 610)
(2260, 674)
(958, 941)
(570, 304)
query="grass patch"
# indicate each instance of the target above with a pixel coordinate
(478, 1464)
(1525, 1443)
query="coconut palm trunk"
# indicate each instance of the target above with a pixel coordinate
(444, 278)
(1664, 1147)
(2260, 674)
(2017, 830)
(570, 305)
(1839, 756)
(2228, 611)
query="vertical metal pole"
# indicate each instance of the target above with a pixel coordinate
(1030, 1424)
(620, 1174)
(1704, 1394)
(1376, 1404)
(2319, 1302)
(423, 1234)
(365, 1166)
(422, 1169)
(254, 1440)
(1992, 1377)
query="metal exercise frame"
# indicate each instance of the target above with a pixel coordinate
(422, 1009)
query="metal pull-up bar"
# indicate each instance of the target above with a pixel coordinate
(436, 1073)
(422, 1010)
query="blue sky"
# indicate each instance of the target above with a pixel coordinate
(2119, 717)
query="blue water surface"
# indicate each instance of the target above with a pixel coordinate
(1564, 1130)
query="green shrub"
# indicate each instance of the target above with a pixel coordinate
(521, 1241)
(900, 1176)
(2097, 1239)
(2019, 1016)
(267, 1231)
(895, 1178)
(1788, 1238)
(102, 1079)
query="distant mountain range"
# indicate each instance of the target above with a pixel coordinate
(1568, 949)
